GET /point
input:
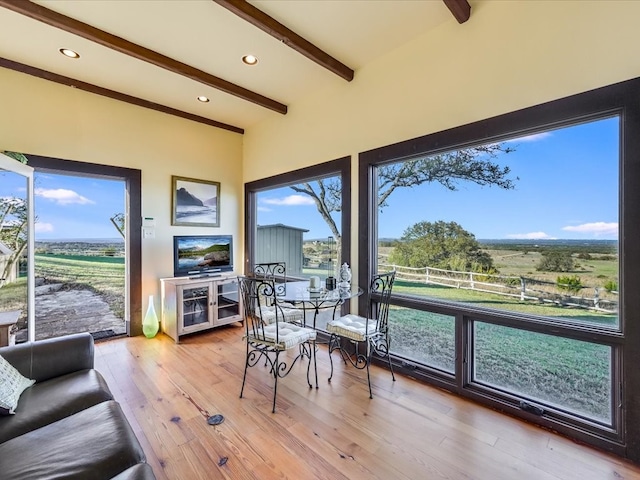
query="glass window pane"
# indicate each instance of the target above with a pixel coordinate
(291, 227)
(528, 225)
(423, 337)
(571, 374)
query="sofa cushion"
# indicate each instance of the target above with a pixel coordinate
(141, 471)
(96, 443)
(51, 357)
(50, 401)
(12, 384)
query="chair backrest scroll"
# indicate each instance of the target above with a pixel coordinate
(379, 296)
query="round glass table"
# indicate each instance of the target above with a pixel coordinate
(299, 295)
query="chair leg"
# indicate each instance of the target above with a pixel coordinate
(390, 366)
(275, 383)
(302, 348)
(370, 351)
(315, 361)
(331, 347)
(312, 348)
(308, 369)
(246, 366)
(369, 379)
(371, 347)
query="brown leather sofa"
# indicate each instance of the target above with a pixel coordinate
(67, 424)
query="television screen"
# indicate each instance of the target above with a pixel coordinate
(202, 254)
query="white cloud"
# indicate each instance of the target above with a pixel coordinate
(264, 209)
(62, 196)
(532, 138)
(290, 200)
(43, 227)
(530, 236)
(595, 228)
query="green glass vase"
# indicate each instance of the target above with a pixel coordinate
(150, 324)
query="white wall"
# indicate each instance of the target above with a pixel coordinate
(44, 118)
(509, 55)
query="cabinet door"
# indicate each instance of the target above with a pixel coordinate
(227, 302)
(195, 303)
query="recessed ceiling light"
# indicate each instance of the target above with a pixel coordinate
(69, 53)
(250, 59)
(203, 99)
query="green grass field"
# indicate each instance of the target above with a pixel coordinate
(104, 275)
(501, 302)
(593, 272)
(13, 296)
(571, 374)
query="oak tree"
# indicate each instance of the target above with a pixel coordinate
(473, 164)
(443, 245)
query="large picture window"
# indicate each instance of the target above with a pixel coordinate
(301, 225)
(512, 264)
(300, 218)
(528, 225)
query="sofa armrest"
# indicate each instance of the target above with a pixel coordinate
(51, 358)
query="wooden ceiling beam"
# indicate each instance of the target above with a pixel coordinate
(460, 9)
(68, 24)
(268, 24)
(89, 87)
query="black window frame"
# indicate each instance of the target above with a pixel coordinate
(340, 166)
(620, 99)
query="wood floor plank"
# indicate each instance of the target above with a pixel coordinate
(494, 463)
(407, 431)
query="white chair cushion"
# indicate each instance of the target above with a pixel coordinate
(352, 326)
(288, 315)
(289, 335)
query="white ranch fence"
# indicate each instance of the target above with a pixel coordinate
(523, 288)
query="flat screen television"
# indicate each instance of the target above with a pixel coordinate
(202, 255)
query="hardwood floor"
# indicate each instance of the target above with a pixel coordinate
(408, 431)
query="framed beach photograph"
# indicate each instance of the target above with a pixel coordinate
(195, 202)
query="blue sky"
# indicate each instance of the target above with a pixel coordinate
(567, 188)
(71, 207)
(76, 207)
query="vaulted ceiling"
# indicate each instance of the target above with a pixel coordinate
(164, 54)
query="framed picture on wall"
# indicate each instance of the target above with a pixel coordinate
(195, 202)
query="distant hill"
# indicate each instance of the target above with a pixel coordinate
(546, 242)
(81, 240)
(573, 245)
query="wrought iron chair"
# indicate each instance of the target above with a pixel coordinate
(353, 334)
(272, 271)
(269, 339)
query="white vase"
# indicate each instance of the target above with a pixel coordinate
(150, 324)
(345, 274)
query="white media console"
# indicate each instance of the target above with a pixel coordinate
(196, 303)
